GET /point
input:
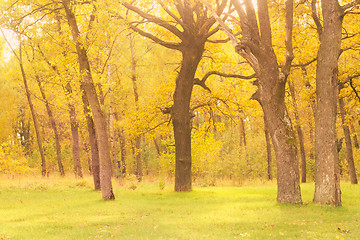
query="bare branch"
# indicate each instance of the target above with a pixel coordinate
(304, 64)
(201, 84)
(155, 20)
(350, 5)
(207, 75)
(178, 20)
(352, 85)
(315, 16)
(157, 40)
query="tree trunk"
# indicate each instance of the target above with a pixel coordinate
(139, 171)
(112, 120)
(271, 95)
(299, 132)
(99, 116)
(356, 142)
(268, 150)
(122, 163)
(54, 127)
(327, 178)
(92, 140)
(181, 117)
(33, 114)
(349, 150)
(75, 134)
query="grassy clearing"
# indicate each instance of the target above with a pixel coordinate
(69, 209)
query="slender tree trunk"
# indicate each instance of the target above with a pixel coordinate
(157, 147)
(75, 134)
(268, 150)
(122, 163)
(139, 171)
(242, 133)
(327, 177)
(99, 115)
(112, 120)
(181, 117)
(299, 132)
(349, 149)
(92, 141)
(355, 138)
(33, 114)
(54, 127)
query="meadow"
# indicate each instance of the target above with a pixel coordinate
(66, 208)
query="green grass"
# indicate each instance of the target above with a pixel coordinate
(69, 209)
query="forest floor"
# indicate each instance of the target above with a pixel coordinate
(69, 209)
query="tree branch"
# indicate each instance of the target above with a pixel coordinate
(288, 37)
(315, 16)
(304, 64)
(156, 20)
(350, 5)
(157, 40)
(352, 85)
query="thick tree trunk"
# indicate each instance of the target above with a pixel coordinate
(33, 114)
(54, 127)
(268, 150)
(327, 178)
(99, 116)
(299, 132)
(92, 141)
(271, 95)
(349, 149)
(181, 117)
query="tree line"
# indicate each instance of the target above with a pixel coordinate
(145, 87)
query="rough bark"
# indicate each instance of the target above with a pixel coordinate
(99, 115)
(268, 151)
(299, 132)
(327, 178)
(271, 94)
(33, 114)
(349, 149)
(54, 128)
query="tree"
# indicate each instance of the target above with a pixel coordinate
(196, 25)
(327, 176)
(256, 47)
(91, 94)
(348, 142)
(299, 132)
